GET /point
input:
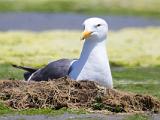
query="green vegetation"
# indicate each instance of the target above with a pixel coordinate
(135, 47)
(127, 47)
(147, 89)
(135, 7)
(137, 79)
(134, 60)
(136, 74)
(47, 111)
(4, 109)
(8, 72)
(134, 55)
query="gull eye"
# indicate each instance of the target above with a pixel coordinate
(83, 27)
(98, 25)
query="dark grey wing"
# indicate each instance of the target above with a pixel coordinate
(53, 70)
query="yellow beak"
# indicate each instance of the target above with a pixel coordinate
(86, 34)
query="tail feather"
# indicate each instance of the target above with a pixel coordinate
(29, 69)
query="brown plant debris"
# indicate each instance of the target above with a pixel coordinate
(64, 92)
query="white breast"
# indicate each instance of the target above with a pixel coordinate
(93, 65)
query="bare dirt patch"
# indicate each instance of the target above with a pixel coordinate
(64, 92)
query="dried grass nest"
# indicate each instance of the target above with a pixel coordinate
(64, 92)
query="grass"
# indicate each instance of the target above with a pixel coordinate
(47, 111)
(142, 80)
(147, 89)
(135, 7)
(134, 55)
(137, 47)
(135, 75)
(127, 47)
(8, 72)
(4, 109)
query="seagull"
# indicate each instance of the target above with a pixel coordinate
(93, 63)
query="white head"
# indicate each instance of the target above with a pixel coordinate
(95, 29)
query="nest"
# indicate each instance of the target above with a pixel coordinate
(64, 92)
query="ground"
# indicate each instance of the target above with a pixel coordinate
(21, 95)
(91, 116)
(125, 7)
(134, 55)
(133, 62)
(136, 69)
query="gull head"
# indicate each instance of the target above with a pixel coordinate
(95, 29)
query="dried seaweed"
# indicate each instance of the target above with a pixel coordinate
(64, 92)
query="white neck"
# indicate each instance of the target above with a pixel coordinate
(93, 64)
